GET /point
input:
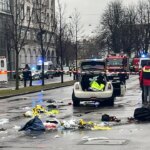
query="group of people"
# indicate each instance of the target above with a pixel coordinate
(145, 83)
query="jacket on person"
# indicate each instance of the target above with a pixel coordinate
(145, 76)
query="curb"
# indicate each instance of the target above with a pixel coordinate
(45, 89)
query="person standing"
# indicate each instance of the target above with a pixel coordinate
(27, 75)
(145, 83)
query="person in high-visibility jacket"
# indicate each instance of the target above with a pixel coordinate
(145, 83)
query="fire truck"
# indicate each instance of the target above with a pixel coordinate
(3, 71)
(117, 66)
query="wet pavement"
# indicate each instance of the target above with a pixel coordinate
(123, 135)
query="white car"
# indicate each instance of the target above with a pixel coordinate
(81, 91)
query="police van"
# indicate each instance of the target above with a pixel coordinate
(48, 69)
(3, 71)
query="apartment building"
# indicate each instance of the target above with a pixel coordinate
(4, 19)
(42, 13)
(28, 11)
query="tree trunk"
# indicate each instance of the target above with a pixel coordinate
(43, 56)
(17, 72)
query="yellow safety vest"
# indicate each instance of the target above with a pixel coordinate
(96, 86)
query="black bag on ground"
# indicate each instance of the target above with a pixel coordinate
(105, 117)
(34, 124)
(142, 114)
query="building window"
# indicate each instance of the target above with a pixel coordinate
(28, 13)
(48, 18)
(28, 35)
(2, 63)
(22, 12)
(4, 5)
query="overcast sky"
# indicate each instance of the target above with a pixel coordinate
(90, 11)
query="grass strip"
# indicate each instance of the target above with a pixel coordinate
(32, 89)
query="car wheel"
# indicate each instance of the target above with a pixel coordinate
(52, 76)
(110, 102)
(76, 102)
(47, 76)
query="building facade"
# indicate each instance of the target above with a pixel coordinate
(4, 47)
(31, 52)
(27, 11)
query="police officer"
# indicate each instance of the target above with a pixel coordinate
(145, 83)
(27, 75)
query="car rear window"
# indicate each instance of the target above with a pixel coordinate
(93, 65)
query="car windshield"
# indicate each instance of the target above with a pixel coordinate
(144, 62)
(114, 62)
(39, 67)
(93, 65)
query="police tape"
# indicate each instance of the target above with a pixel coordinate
(78, 72)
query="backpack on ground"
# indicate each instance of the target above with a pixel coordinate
(142, 114)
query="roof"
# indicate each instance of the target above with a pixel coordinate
(96, 60)
(116, 57)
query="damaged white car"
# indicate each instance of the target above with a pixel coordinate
(92, 72)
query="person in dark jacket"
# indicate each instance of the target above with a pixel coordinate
(27, 75)
(145, 83)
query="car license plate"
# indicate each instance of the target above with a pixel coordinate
(116, 78)
(93, 98)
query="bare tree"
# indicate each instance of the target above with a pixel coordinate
(17, 28)
(44, 26)
(77, 30)
(143, 19)
(112, 23)
(61, 26)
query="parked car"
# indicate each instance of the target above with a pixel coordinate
(36, 75)
(66, 70)
(20, 74)
(90, 69)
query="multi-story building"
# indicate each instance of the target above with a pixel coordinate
(31, 52)
(28, 10)
(4, 19)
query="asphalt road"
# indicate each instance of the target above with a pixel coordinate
(122, 136)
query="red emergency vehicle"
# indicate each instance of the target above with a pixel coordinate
(135, 64)
(116, 64)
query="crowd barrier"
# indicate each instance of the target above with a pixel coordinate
(83, 72)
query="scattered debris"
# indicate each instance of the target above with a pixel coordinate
(17, 127)
(50, 126)
(98, 127)
(34, 124)
(52, 106)
(2, 129)
(57, 136)
(3, 121)
(142, 114)
(28, 114)
(106, 117)
(51, 101)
